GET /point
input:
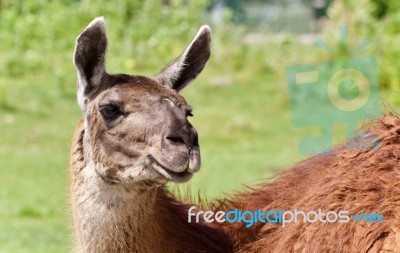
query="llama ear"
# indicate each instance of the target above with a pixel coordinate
(190, 63)
(89, 58)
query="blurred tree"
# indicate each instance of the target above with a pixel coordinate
(383, 8)
(239, 14)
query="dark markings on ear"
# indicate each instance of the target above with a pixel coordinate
(186, 67)
(89, 57)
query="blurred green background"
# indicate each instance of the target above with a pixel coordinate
(240, 101)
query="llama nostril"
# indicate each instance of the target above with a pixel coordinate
(176, 140)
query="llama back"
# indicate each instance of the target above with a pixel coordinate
(357, 181)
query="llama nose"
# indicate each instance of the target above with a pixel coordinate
(187, 138)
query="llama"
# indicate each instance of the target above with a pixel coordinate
(366, 181)
(135, 137)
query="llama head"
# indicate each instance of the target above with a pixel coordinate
(136, 127)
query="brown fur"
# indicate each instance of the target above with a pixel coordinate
(358, 181)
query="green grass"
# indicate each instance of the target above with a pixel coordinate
(33, 177)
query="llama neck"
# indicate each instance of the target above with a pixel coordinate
(135, 218)
(109, 218)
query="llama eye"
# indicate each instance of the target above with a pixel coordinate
(109, 112)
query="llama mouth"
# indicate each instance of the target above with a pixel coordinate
(177, 177)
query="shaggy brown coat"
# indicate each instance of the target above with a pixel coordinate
(358, 181)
